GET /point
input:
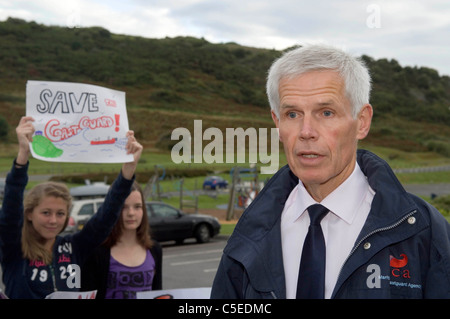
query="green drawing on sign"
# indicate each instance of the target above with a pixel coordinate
(42, 146)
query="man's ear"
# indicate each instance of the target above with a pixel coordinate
(364, 121)
(277, 123)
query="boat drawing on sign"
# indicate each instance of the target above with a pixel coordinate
(103, 142)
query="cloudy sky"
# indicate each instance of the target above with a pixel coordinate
(414, 32)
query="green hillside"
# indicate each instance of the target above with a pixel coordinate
(173, 81)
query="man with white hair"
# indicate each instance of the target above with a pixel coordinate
(335, 222)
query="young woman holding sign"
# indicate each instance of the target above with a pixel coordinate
(36, 261)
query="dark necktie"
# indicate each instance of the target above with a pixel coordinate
(311, 276)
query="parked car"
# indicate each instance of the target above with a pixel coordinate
(81, 210)
(214, 182)
(168, 223)
(90, 190)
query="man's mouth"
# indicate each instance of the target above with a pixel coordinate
(310, 155)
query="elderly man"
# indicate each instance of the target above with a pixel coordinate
(335, 222)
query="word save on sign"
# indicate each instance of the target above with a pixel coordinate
(77, 122)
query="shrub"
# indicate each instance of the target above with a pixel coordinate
(442, 204)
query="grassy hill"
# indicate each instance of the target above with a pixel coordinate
(173, 81)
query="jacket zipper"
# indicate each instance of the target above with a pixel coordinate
(52, 272)
(372, 233)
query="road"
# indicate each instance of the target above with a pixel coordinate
(191, 265)
(442, 189)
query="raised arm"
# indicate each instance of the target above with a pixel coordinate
(11, 213)
(133, 147)
(24, 131)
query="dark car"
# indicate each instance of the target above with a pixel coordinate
(214, 182)
(168, 223)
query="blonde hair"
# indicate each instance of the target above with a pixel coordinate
(33, 243)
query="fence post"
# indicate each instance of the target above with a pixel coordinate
(158, 190)
(231, 201)
(181, 193)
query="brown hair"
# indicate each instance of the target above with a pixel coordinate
(142, 232)
(33, 243)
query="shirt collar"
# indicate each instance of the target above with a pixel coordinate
(353, 189)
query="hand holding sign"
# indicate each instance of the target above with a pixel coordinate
(135, 149)
(77, 123)
(24, 131)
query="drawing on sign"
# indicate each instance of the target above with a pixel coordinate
(77, 122)
(44, 147)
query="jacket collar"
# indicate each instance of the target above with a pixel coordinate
(391, 201)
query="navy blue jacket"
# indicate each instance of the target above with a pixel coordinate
(403, 250)
(27, 279)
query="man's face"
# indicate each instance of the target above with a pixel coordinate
(318, 131)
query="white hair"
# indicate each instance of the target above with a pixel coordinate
(315, 57)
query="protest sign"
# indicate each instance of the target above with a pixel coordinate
(72, 295)
(77, 122)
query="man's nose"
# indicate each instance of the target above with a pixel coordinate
(308, 128)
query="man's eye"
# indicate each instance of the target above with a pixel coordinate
(291, 115)
(327, 113)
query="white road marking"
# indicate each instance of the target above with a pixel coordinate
(193, 262)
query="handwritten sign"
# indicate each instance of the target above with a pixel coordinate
(72, 295)
(77, 122)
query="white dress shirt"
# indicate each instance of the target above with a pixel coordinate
(349, 207)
